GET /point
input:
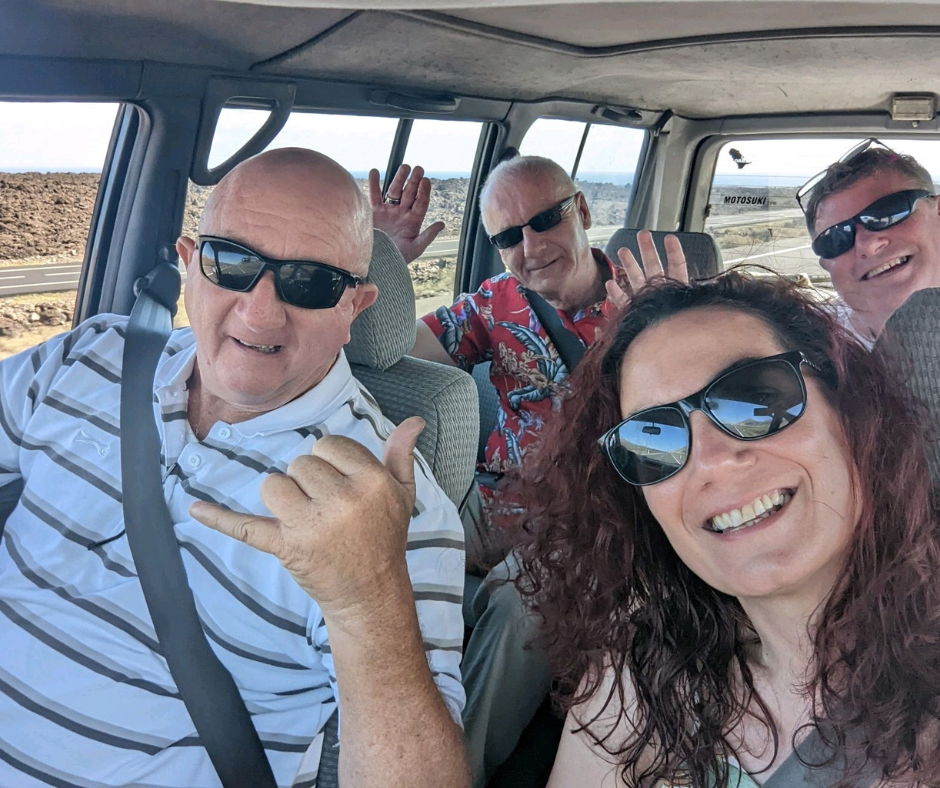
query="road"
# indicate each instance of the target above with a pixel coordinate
(16, 280)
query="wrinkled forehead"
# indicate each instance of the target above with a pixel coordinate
(849, 202)
(283, 225)
(517, 196)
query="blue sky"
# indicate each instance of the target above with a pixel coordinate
(74, 137)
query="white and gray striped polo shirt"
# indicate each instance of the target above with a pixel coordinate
(85, 695)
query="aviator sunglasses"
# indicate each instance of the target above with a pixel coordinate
(751, 401)
(307, 284)
(541, 222)
(883, 213)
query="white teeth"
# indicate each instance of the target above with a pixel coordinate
(886, 267)
(760, 509)
(262, 348)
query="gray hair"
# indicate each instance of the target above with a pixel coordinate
(843, 174)
(530, 167)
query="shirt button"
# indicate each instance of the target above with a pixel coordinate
(193, 461)
(225, 433)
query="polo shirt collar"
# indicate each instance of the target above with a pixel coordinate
(314, 406)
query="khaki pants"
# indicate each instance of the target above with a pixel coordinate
(505, 671)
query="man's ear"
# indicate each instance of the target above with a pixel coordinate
(583, 210)
(365, 297)
(186, 249)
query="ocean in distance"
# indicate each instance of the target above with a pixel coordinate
(742, 181)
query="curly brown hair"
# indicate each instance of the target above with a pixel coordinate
(614, 595)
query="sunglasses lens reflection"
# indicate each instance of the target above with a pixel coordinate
(650, 447)
(229, 267)
(759, 401)
(312, 288)
(753, 402)
(308, 285)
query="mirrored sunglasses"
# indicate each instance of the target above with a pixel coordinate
(303, 283)
(541, 223)
(748, 402)
(883, 213)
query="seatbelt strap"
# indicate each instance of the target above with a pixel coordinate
(9, 497)
(566, 342)
(205, 686)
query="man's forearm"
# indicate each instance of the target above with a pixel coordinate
(428, 347)
(395, 728)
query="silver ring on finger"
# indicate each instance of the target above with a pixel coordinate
(392, 200)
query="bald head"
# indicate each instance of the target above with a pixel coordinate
(293, 204)
(536, 172)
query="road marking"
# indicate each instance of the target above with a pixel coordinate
(13, 277)
(77, 266)
(66, 273)
(767, 254)
(14, 287)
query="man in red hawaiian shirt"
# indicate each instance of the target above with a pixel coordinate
(538, 220)
(497, 322)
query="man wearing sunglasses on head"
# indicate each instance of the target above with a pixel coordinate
(332, 592)
(875, 223)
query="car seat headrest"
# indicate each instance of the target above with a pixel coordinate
(910, 341)
(701, 251)
(385, 331)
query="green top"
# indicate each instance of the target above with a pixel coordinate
(737, 778)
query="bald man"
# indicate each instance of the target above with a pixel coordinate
(316, 601)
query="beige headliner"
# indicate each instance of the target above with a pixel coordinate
(708, 58)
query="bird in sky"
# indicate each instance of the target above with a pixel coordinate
(738, 158)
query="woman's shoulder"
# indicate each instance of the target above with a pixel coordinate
(607, 715)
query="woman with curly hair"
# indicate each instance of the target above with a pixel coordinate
(738, 564)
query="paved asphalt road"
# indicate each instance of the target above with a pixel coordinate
(793, 257)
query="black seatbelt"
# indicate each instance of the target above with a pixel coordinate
(205, 686)
(9, 497)
(569, 347)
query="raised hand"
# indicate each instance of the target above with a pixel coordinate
(340, 521)
(400, 212)
(632, 277)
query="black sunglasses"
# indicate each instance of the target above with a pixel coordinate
(541, 223)
(883, 213)
(302, 283)
(748, 402)
(845, 158)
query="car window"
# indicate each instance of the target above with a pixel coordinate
(446, 149)
(555, 139)
(604, 171)
(752, 211)
(51, 157)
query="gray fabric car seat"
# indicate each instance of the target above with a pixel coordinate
(445, 397)
(489, 405)
(701, 251)
(912, 340)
